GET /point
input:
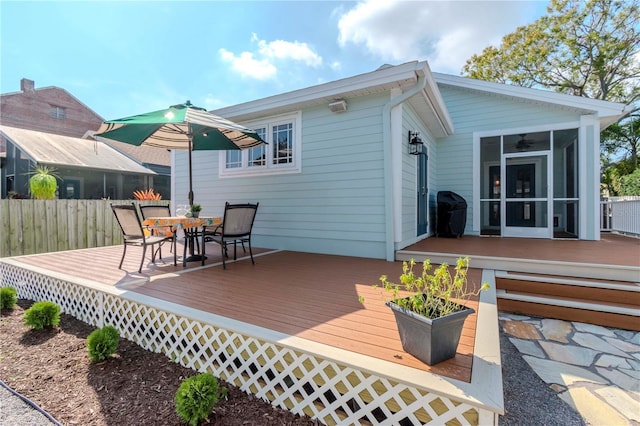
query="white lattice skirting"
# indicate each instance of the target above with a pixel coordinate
(301, 376)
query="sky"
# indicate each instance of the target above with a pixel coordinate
(123, 58)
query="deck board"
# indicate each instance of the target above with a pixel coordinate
(611, 249)
(315, 297)
(310, 296)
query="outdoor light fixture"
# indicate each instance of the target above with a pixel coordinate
(339, 105)
(415, 143)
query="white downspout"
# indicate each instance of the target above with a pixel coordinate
(388, 163)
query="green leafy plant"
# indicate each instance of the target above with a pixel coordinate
(195, 208)
(43, 183)
(42, 314)
(8, 297)
(102, 343)
(433, 294)
(197, 396)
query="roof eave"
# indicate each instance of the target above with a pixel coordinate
(399, 76)
(606, 111)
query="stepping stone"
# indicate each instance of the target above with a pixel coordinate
(593, 409)
(620, 379)
(593, 329)
(527, 347)
(628, 347)
(597, 344)
(557, 330)
(521, 330)
(622, 401)
(612, 362)
(570, 354)
(561, 373)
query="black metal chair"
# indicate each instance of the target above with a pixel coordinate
(235, 228)
(133, 233)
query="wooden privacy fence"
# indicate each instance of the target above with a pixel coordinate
(41, 226)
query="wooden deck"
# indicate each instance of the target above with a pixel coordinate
(311, 296)
(611, 249)
(296, 316)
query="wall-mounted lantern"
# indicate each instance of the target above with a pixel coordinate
(415, 143)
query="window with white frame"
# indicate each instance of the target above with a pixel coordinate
(280, 155)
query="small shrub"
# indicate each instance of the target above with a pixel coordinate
(8, 297)
(41, 315)
(197, 396)
(102, 343)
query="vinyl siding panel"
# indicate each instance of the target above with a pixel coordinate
(334, 205)
(412, 122)
(473, 111)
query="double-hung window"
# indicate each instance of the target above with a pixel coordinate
(280, 155)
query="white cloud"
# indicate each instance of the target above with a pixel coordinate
(261, 64)
(446, 33)
(280, 49)
(248, 66)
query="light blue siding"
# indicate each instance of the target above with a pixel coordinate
(335, 205)
(473, 111)
(412, 122)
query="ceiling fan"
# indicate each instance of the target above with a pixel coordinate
(524, 144)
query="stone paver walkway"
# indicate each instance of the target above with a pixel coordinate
(594, 369)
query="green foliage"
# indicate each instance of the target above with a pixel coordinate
(584, 48)
(197, 396)
(621, 179)
(434, 294)
(630, 184)
(622, 139)
(102, 343)
(42, 314)
(8, 297)
(195, 208)
(43, 183)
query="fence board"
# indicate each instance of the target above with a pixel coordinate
(51, 223)
(4, 228)
(91, 229)
(40, 226)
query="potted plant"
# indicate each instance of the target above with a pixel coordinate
(430, 319)
(43, 183)
(195, 210)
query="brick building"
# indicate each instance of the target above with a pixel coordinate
(55, 111)
(47, 109)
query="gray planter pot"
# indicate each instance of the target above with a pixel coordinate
(430, 340)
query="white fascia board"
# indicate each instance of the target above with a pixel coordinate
(406, 73)
(608, 112)
(436, 102)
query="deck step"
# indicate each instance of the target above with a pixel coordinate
(608, 303)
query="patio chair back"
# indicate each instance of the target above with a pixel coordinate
(155, 211)
(236, 227)
(238, 220)
(127, 217)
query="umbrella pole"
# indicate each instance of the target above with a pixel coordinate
(190, 170)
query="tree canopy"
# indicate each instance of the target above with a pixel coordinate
(585, 48)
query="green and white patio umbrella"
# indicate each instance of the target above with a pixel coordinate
(184, 127)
